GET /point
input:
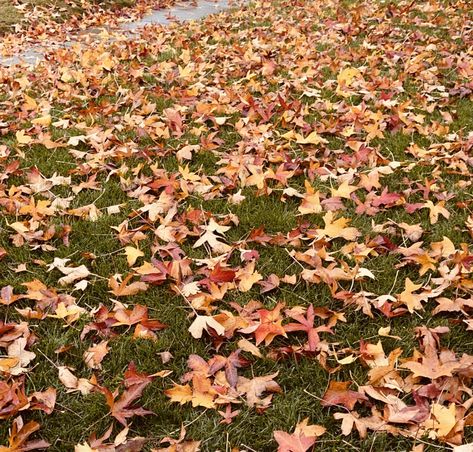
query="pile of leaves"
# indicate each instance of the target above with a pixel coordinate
(51, 24)
(250, 232)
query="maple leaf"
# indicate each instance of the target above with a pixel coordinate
(7, 297)
(306, 324)
(72, 383)
(269, 327)
(349, 420)
(247, 277)
(436, 210)
(201, 393)
(247, 346)
(124, 290)
(303, 438)
(339, 394)
(120, 444)
(180, 393)
(430, 366)
(70, 313)
(212, 239)
(139, 314)
(72, 273)
(22, 138)
(255, 387)
(445, 248)
(203, 322)
(21, 357)
(426, 263)
(121, 407)
(453, 305)
(312, 138)
(412, 231)
(443, 419)
(179, 444)
(95, 354)
(271, 283)
(18, 439)
(132, 254)
(344, 190)
(386, 199)
(43, 400)
(337, 228)
(231, 364)
(311, 201)
(411, 300)
(228, 414)
(37, 209)
(345, 78)
(12, 398)
(222, 274)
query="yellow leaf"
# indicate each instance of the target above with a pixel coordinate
(30, 103)
(338, 228)
(345, 79)
(132, 254)
(22, 138)
(106, 61)
(384, 331)
(436, 210)
(185, 71)
(445, 419)
(84, 448)
(66, 76)
(344, 191)
(306, 429)
(124, 290)
(180, 393)
(247, 277)
(411, 300)
(188, 175)
(186, 56)
(42, 120)
(289, 135)
(71, 313)
(311, 202)
(7, 363)
(247, 281)
(312, 138)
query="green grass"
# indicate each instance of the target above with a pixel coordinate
(9, 15)
(303, 379)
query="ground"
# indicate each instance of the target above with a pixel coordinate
(11, 12)
(289, 179)
(39, 18)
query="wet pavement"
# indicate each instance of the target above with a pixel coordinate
(179, 12)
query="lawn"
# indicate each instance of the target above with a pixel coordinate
(238, 224)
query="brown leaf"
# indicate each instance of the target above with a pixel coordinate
(124, 290)
(18, 439)
(339, 394)
(95, 354)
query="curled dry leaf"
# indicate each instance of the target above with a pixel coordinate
(95, 354)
